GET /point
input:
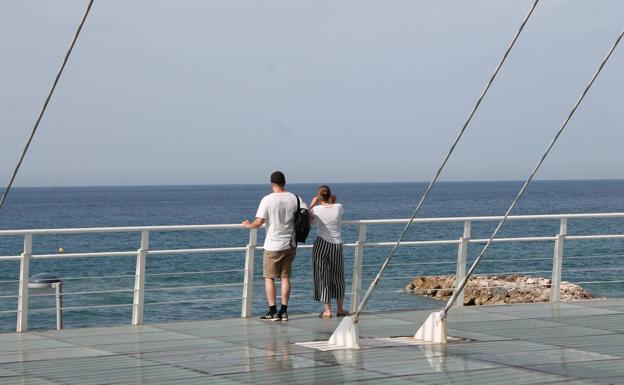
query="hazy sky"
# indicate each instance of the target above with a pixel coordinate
(203, 92)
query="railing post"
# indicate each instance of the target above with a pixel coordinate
(139, 280)
(247, 308)
(22, 302)
(358, 257)
(462, 255)
(555, 287)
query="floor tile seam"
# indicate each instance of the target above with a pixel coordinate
(90, 331)
(502, 322)
(43, 378)
(577, 362)
(499, 367)
(38, 349)
(113, 381)
(124, 372)
(101, 353)
(541, 348)
(505, 365)
(583, 326)
(75, 345)
(533, 367)
(109, 355)
(142, 365)
(155, 359)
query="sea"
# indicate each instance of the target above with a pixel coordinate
(98, 291)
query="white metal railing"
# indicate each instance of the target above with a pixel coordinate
(144, 251)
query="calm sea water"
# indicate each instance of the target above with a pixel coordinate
(169, 205)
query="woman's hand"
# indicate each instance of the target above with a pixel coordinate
(333, 199)
(314, 201)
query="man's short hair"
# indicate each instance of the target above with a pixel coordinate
(278, 178)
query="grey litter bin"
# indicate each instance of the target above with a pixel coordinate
(49, 281)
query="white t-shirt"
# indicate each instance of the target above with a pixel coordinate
(328, 221)
(278, 211)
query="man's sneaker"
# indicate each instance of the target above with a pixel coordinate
(270, 317)
(281, 316)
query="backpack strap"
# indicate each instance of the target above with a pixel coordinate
(294, 229)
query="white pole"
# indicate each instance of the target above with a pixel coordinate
(555, 287)
(22, 303)
(139, 280)
(58, 286)
(358, 257)
(247, 308)
(462, 255)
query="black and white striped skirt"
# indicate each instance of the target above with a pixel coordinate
(328, 270)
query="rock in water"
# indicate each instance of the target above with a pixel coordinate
(495, 289)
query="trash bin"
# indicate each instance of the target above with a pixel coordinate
(50, 281)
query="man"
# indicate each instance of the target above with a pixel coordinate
(277, 210)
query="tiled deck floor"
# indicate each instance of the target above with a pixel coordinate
(579, 343)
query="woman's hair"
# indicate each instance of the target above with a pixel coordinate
(324, 193)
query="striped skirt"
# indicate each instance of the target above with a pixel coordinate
(328, 270)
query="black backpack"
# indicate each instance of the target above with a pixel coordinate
(302, 223)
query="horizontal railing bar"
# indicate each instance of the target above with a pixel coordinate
(122, 229)
(85, 255)
(97, 292)
(411, 264)
(518, 239)
(488, 273)
(596, 256)
(194, 301)
(197, 251)
(193, 272)
(456, 241)
(455, 262)
(70, 308)
(10, 258)
(193, 287)
(593, 269)
(169, 228)
(594, 282)
(485, 218)
(517, 259)
(98, 277)
(412, 243)
(588, 237)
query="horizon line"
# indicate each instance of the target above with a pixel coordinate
(314, 183)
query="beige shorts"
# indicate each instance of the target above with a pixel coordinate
(278, 264)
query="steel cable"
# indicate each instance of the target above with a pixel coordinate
(45, 105)
(371, 288)
(530, 178)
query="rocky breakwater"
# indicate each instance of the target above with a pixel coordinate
(495, 289)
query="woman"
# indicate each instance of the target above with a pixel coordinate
(327, 252)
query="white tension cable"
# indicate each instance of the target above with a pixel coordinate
(346, 332)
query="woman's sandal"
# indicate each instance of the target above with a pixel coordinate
(343, 314)
(322, 315)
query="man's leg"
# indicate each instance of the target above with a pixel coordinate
(285, 290)
(269, 290)
(269, 272)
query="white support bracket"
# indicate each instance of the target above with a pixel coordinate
(434, 329)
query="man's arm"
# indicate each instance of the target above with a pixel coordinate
(253, 225)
